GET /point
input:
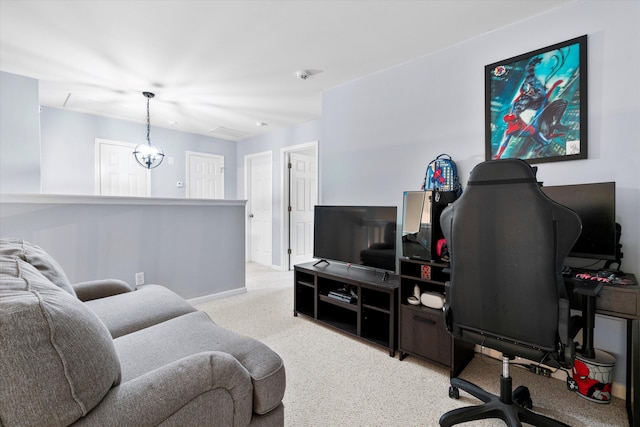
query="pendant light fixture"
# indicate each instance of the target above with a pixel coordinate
(148, 155)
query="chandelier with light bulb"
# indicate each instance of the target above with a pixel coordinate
(148, 155)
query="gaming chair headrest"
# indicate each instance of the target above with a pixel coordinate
(502, 171)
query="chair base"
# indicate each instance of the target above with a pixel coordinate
(511, 407)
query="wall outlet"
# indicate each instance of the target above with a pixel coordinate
(179, 184)
(139, 279)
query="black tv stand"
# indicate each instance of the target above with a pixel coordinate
(351, 300)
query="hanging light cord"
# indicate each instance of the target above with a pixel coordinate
(148, 122)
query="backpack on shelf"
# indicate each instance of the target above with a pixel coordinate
(442, 175)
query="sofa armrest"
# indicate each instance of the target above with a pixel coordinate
(192, 391)
(95, 289)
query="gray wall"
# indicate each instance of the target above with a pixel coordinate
(19, 134)
(68, 152)
(195, 248)
(379, 132)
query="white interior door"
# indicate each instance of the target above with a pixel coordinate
(205, 176)
(302, 199)
(117, 172)
(260, 212)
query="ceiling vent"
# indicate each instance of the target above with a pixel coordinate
(111, 108)
(226, 133)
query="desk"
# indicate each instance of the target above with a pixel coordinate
(622, 301)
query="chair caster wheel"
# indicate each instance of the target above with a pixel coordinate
(454, 393)
(522, 397)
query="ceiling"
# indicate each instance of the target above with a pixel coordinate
(219, 68)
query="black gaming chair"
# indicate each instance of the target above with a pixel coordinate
(508, 243)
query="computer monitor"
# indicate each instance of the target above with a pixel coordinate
(421, 229)
(595, 204)
(416, 225)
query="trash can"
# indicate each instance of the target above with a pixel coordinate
(594, 376)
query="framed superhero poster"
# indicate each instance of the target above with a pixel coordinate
(536, 104)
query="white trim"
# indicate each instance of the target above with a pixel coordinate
(284, 182)
(217, 296)
(247, 158)
(70, 199)
(98, 162)
(199, 154)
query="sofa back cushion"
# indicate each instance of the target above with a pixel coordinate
(57, 359)
(38, 258)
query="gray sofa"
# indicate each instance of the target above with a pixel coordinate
(103, 354)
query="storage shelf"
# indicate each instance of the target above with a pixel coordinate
(380, 309)
(347, 327)
(304, 283)
(371, 317)
(337, 302)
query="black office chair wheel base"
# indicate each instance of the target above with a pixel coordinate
(454, 392)
(522, 397)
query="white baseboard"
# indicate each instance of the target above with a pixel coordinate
(219, 295)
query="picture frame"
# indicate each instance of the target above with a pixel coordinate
(536, 104)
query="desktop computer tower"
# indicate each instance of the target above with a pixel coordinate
(421, 229)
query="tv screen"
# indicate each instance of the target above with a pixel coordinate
(357, 235)
(595, 204)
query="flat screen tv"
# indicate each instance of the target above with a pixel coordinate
(356, 235)
(595, 204)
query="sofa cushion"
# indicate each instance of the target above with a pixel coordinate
(57, 359)
(148, 349)
(131, 311)
(37, 257)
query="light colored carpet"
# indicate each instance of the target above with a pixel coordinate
(336, 380)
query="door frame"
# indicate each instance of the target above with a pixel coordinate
(247, 170)
(187, 167)
(98, 162)
(285, 188)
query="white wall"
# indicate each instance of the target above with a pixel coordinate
(379, 132)
(68, 152)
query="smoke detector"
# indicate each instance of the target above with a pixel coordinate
(303, 74)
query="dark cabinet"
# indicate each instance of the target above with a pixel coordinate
(422, 330)
(422, 333)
